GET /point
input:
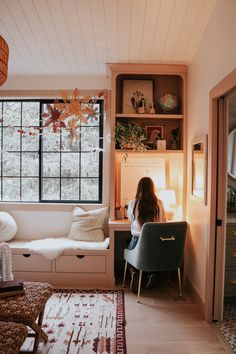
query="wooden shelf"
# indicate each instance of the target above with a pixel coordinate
(149, 151)
(146, 115)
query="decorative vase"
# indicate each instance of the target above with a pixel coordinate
(161, 144)
(168, 103)
(174, 145)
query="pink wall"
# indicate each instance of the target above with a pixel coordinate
(213, 60)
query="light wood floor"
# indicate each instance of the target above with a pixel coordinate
(163, 323)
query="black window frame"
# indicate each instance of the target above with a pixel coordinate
(40, 152)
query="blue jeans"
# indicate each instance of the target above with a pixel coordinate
(133, 243)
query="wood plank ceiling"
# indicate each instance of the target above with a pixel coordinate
(67, 37)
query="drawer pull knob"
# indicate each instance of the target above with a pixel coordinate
(234, 233)
(233, 254)
(80, 257)
(26, 255)
(233, 282)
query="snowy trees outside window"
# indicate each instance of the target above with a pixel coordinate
(39, 165)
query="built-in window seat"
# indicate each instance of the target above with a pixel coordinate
(72, 267)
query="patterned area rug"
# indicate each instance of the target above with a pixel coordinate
(83, 322)
(228, 325)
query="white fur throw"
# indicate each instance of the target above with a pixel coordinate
(51, 248)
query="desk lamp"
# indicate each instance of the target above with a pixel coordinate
(168, 198)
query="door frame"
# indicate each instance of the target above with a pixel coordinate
(214, 294)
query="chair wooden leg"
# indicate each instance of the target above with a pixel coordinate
(125, 270)
(180, 287)
(139, 284)
(39, 332)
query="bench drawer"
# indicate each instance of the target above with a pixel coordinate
(81, 264)
(30, 263)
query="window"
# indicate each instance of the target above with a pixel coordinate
(38, 165)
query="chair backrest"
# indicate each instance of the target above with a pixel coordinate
(161, 246)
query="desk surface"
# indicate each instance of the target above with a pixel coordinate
(119, 224)
(125, 224)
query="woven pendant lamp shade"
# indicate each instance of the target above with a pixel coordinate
(4, 53)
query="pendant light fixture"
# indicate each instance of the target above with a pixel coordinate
(4, 54)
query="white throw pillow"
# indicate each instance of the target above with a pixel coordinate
(88, 225)
(8, 227)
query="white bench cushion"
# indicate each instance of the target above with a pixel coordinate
(53, 247)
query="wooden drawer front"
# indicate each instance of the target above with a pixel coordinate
(231, 233)
(30, 263)
(230, 282)
(81, 264)
(230, 260)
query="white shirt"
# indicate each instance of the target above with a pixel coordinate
(135, 225)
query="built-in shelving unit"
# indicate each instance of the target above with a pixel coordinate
(164, 79)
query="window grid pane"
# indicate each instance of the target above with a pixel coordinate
(37, 165)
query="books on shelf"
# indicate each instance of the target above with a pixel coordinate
(11, 288)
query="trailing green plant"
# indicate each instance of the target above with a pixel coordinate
(130, 136)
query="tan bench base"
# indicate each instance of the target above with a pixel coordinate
(28, 309)
(12, 336)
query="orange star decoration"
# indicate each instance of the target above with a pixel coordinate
(53, 118)
(76, 107)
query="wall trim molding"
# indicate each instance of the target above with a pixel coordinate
(223, 88)
(195, 296)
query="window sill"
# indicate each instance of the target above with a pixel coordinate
(7, 206)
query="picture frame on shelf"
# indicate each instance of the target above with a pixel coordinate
(154, 132)
(137, 96)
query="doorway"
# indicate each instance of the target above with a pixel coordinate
(218, 135)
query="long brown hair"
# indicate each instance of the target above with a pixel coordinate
(146, 201)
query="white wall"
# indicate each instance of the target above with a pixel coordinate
(214, 59)
(54, 82)
(47, 220)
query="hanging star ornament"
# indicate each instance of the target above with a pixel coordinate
(76, 107)
(53, 118)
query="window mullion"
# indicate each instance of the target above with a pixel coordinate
(21, 152)
(60, 162)
(40, 151)
(2, 153)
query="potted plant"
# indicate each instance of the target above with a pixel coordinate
(130, 136)
(174, 139)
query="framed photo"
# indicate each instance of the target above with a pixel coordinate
(137, 96)
(154, 133)
(199, 169)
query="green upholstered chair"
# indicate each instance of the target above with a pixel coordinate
(160, 247)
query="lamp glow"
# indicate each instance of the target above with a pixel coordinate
(168, 198)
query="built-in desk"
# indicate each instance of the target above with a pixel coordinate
(115, 226)
(119, 224)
